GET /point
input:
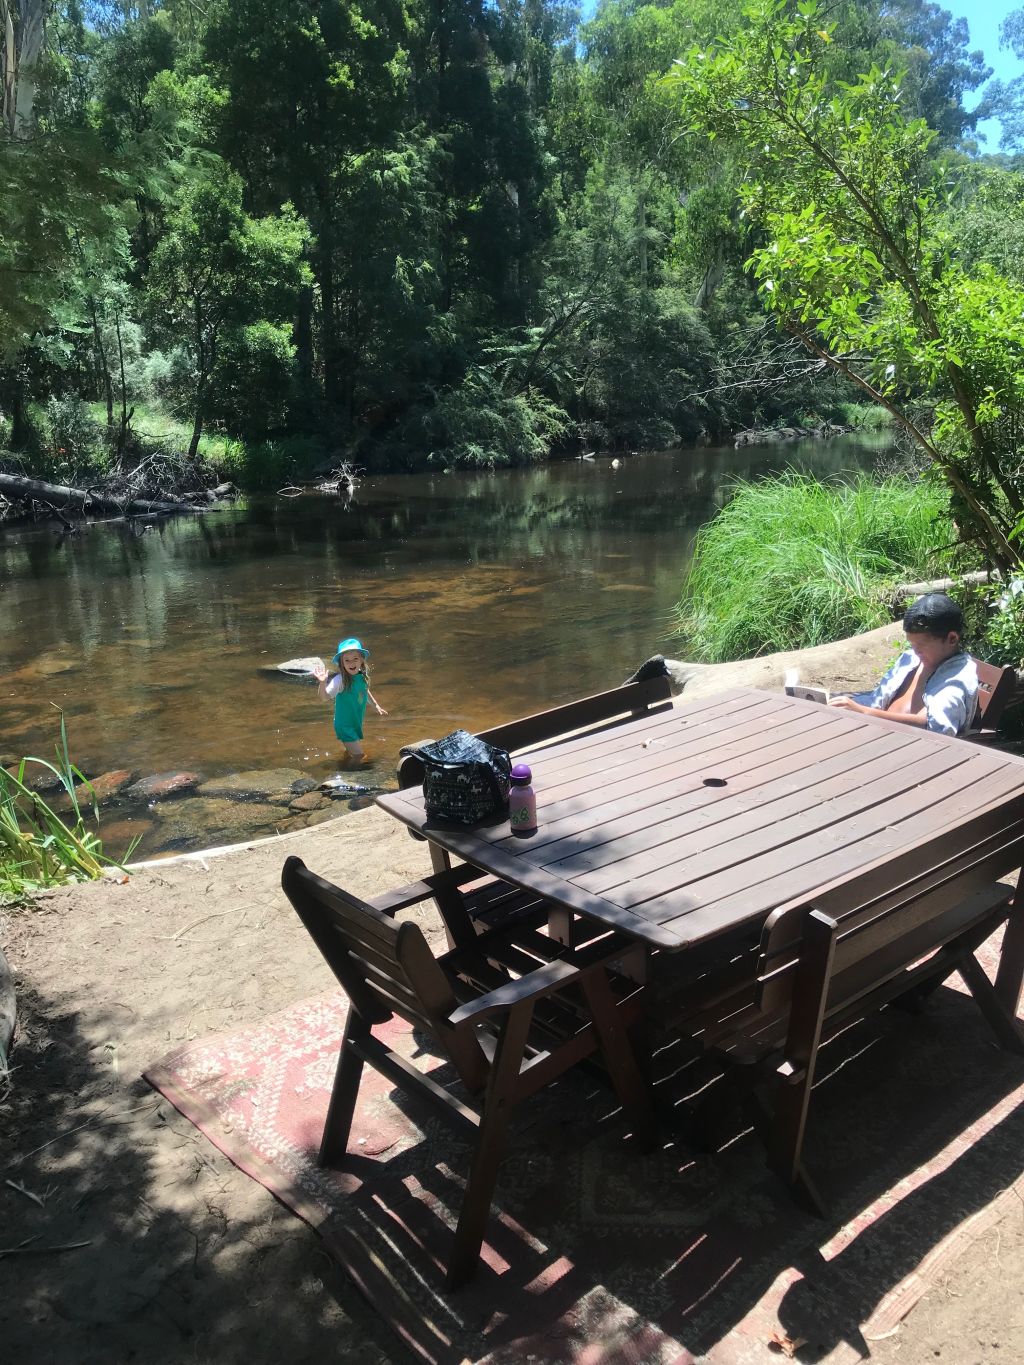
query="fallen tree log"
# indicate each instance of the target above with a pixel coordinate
(60, 495)
(946, 584)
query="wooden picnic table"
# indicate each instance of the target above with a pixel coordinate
(684, 826)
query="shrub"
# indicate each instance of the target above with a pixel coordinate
(994, 614)
(478, 424)
(791, 562)
(251, 382)
(264, 466)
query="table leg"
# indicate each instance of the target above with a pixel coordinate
(560, 925)
(440, 859)
(458, 925)
(1010, 975)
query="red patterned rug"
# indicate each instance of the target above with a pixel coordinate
(599, 1256)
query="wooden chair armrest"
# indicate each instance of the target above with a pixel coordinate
(534, 986)
(545, 980)
(390, 902)
(455, 876)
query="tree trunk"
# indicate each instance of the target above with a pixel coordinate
(126, 415)
(19, 415)
(204, 366)
(22, 39)
(641, 223)
(197, 427)
(328, 308)
(108, 388)
(303, 332)
(17, 486)
(713, 277)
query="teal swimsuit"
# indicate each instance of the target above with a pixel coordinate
(349, 708)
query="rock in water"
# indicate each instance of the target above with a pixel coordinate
(255, 784)
(295, 668)
(162, 785)
(341, 786)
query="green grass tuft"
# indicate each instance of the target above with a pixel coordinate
(37, 847)
(790, 562)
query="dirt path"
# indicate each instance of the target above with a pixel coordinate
(187, 1259)
(174, 1255)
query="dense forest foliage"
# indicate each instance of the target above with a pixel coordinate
(402, 231)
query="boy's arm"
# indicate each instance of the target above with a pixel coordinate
(918, 718)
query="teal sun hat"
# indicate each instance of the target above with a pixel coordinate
(351, 643)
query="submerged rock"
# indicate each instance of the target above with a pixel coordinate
(308, 801)
(208, 822)
(162, 785)
(303, 669)
(108, 786)
(319, 817)
(103, 790)
(256, 784)
(340, 787)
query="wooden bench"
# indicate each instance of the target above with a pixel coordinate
(997, 688)
(511, 1011)
(901, 927)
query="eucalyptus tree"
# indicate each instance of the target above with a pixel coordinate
(217, 272)
(854, 255)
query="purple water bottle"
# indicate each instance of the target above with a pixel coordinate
(522, 801)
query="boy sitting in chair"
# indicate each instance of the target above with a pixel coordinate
(934, 684)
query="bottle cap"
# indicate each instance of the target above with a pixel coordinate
(521, 774)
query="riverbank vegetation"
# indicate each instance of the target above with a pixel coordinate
(864, 254)
(792, 562)
(41, 846)
(265, 237)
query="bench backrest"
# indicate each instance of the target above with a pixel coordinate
(384, 967)
(997, 687)
(896, 912)
(632, 699)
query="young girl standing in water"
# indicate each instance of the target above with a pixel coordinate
(350, 688)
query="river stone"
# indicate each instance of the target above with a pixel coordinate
(207, 822)
(117, 836)
(256, 784)
(104, 790)
(53, 661)
(319, 817)
(307, 802)
(303, 785)
(109, 785)
(303, 669)
(162, 785)
(37, 779)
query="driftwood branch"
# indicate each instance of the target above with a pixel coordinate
(8, 1013)
(17, 486)
(945, 584)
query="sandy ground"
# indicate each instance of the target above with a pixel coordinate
(172, 1254)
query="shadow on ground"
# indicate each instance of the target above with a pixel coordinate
(143, 1241)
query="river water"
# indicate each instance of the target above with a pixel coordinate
(482, 596)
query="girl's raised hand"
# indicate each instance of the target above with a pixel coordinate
(320, 671)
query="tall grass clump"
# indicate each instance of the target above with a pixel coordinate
(790, 562)
(39, 848)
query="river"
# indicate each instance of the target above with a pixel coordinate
(482, 596)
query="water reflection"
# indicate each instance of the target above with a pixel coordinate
(482, 596)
